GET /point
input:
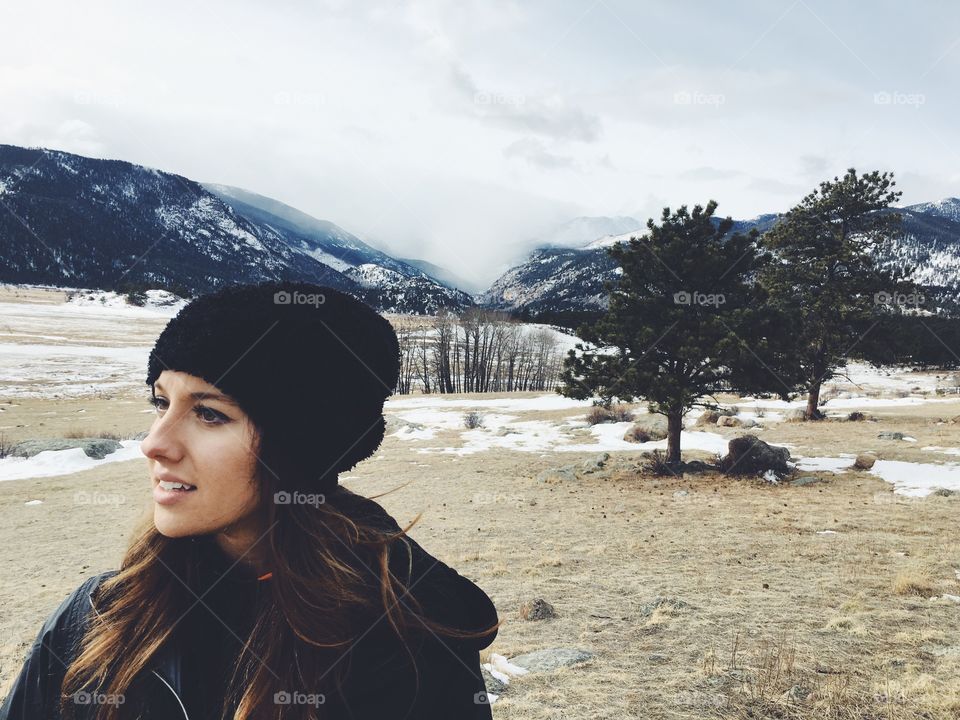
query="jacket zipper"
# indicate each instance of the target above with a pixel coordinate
(159, 676)
(179, 701)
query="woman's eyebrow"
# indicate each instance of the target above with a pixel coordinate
(201, 395)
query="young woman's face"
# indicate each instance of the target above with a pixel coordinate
(201, 438)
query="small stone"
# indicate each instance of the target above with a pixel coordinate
(551, 658)
(538, 609)
(864, 461)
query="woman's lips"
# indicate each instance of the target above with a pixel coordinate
(169, 497)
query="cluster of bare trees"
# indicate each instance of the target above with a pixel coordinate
(478, 351)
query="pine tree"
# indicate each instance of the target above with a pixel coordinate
(680, 323)
(824, 282)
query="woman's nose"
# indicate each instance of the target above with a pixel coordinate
(163, 439)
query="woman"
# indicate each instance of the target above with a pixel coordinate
(261, 588)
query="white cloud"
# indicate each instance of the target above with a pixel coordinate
(456, 131)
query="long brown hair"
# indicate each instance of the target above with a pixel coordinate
(320, 586)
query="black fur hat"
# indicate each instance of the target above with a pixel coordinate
(309, 364)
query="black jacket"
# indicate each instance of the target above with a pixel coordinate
(380, 683)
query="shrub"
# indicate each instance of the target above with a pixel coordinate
(600, 414)
(472, 420)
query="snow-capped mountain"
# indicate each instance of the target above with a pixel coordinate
(581, 230)
(107, 224)
(399, 285)
(554, 279)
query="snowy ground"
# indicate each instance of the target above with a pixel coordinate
(98, 343)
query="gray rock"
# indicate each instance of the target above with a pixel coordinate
(943, 492)
(551, 658)
(890, 435)
(864, 461)
(648, 608)
(538, 609)
(941, 650)
(493, 685)
(658, 659)
(709, 417)
(557, 474)
(648, 428)
(749, 455)
(595, 463)
(97, 448)
(731, 421)
(798, 693)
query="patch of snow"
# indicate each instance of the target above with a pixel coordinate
(50, 463)
(917, 479)
(825, 464)
(943, 450)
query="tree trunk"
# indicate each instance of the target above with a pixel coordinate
(813, 401)
(674, 426)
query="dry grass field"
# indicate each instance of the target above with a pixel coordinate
(700, 596)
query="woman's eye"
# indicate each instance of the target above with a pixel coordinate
(208, 416)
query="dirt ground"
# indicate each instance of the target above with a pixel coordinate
(699, 596)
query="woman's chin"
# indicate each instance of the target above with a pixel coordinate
(172, 527)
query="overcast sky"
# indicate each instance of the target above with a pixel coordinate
(455, 131)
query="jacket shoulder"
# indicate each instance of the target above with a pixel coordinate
(35, 691)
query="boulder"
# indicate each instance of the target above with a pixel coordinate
(668, 603)
(538, 609)
(96, 448)
(594, 463)
(557, 474)
(551, 658)
(647, 428)
(749, 455)
(709, 417)
(890, 435)
(864, 461)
